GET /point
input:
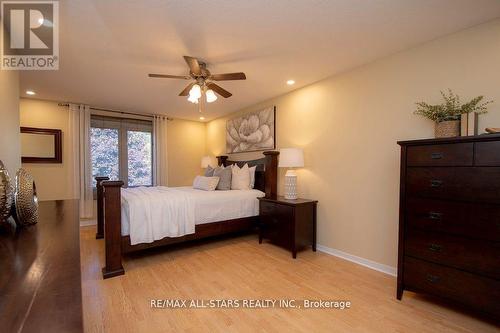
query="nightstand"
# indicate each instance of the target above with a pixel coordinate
(288, 223)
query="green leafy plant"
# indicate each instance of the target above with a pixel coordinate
(451, 109)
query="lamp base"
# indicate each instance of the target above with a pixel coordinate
(290, 185)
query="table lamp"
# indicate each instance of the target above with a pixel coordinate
(291, 158)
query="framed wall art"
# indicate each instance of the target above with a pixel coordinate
(253, 131)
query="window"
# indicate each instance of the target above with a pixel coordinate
(139, 158)
(104, 152)
(122, 149)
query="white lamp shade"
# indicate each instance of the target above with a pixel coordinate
(195, 91)
(211, 97)
(291, 158)
(206, 161)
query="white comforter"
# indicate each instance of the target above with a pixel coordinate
(163, 211)
(154, 213)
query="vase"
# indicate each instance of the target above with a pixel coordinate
(447, 129)
(6, 193)
(26, 200)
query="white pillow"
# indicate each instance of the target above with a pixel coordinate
(240, 178)
(205, 183)
(252, 176)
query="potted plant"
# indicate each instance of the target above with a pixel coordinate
(447, 115)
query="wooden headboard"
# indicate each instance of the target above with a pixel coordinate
(266, 173)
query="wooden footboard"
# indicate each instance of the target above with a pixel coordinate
(112, 229)
(109, 215)
(100, 206)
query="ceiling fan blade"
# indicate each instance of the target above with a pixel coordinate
(221, 91)
(193, 64)
(166, 76)
(186, 90)
(228, 76)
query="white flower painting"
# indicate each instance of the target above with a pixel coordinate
(251, 132)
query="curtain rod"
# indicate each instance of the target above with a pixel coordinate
(122, 112)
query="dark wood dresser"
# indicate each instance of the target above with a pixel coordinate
(449, 227)
(288, 223)
(40, 280)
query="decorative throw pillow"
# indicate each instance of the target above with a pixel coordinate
(240, 178)
(205, 183)
(224, 175)
(252, 176)
(209, 172)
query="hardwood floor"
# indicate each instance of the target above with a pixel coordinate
(240, 268)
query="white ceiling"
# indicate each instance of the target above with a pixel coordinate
(108, 47)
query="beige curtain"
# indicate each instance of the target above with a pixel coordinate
(160, 169)
(79, 132)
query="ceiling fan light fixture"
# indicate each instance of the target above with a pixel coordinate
(211, 97)
(195, 92)
(202, 81)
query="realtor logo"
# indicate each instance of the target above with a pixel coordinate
(30, 35)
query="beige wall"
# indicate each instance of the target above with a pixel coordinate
(53, 181)
(348, 126)
(186, 147)
(10, 147)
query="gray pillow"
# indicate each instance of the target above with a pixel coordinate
(224, 175)
(209, 172)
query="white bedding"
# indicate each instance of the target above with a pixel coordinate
(153, 213)
(204, 206)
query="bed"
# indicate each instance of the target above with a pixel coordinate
(215, 212)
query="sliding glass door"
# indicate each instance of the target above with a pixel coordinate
(122, 150)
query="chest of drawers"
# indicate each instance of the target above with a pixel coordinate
(449, 221)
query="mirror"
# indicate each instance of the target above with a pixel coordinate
(41, 145)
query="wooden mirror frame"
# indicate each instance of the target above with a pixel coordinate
(57, 145)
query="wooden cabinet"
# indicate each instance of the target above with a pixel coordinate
(288, 223)
(40, 280)
(449, 228)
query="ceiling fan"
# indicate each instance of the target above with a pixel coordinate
(203, 82)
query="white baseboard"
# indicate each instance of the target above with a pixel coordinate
(86, 223)
(358, 260)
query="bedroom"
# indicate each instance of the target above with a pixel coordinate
(358, 70)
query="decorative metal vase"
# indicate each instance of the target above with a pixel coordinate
(25, 199)
(6, 194)
(447, 129)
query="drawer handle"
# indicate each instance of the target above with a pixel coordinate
(437, 156)
(432, 278)
(436, 183)
(435, 216)
(435, 247)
